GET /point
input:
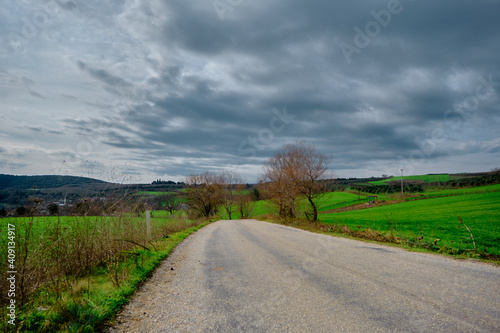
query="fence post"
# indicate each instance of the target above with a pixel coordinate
(148, 225)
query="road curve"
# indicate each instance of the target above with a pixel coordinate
(252, 276)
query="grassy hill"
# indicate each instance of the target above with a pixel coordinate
(43, 182)
(17, 191)
(424, 178)
(432, 219)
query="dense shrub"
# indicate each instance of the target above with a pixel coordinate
(489, 179)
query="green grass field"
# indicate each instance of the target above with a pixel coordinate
(334, 200)
(425, 178)
(461, 191)
(142, 193)
(433, 219)
(42, 224)
(436, 193)
(261, 207)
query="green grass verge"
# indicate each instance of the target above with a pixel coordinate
(86, 304)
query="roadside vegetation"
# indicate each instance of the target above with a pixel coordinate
(76, 272)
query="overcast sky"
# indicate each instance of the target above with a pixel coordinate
(130, 90)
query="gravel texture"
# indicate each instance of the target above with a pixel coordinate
(251, 276)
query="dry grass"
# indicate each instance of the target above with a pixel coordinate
(55, 251)
(86, 303)
(369, 234)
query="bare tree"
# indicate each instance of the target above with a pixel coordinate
(295, 170)
(277, 185)
(231, 185)
(313, 168)
(204, 193)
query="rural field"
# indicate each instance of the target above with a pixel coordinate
(431, 193)
(433, 219)
(425, 178)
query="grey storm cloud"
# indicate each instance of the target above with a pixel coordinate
(68, 5)
(103, 75)
(375, 83)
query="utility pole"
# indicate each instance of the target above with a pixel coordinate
(401, 183)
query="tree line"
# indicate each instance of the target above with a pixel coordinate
(209, 192)
(375, 189)
(295, 172)
(488, 179)
(482, 180)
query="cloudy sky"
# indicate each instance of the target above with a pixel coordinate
(130, 90)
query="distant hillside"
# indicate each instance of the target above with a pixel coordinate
(43, 182)
(19, 190)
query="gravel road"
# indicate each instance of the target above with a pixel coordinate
(251, 276)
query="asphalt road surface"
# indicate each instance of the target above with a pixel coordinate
(251, 276)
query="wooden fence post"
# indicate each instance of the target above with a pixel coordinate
(148, 225)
